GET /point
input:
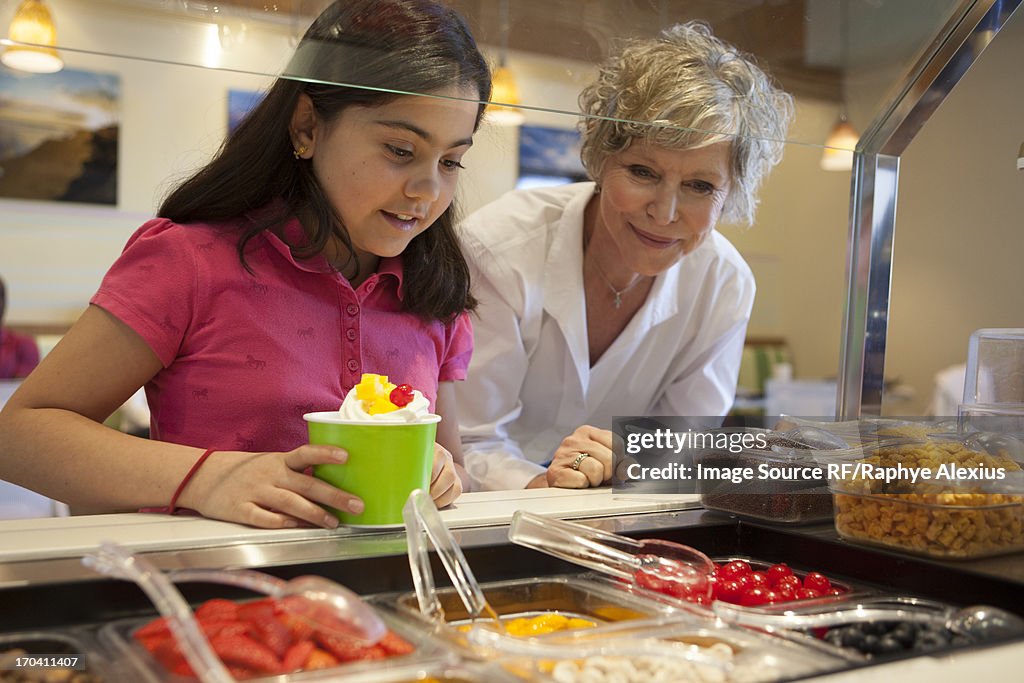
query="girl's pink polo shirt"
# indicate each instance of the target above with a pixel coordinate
(245, 355)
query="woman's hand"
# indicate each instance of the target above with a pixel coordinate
(445, 484)
(269, 490)
(593, 469)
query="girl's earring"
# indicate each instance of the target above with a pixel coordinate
(299, 152)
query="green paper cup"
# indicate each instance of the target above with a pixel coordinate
(386, 462)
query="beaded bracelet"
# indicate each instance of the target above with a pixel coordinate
(188, 477)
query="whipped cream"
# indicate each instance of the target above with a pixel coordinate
(417, 410)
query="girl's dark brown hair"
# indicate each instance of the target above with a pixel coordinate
(357, 52)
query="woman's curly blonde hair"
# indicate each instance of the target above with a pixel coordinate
(683, 90)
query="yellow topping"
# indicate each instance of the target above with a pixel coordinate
(545, 623)
(375, 392)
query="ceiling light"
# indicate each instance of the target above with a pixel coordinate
(839, 146)
(32, 24)
(504, 97)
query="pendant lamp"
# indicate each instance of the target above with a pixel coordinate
(32, 24)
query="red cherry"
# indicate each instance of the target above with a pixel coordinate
(817, 582)
(778, 571)
(786, 592)
(791, 583)
(759, 579)
(401, 395)
(755, 596)
(734, 569)
(771, 596)
(807, 594)
(730, 591)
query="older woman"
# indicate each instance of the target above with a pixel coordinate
(617, 296)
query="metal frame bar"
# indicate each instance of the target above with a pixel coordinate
(873, 191)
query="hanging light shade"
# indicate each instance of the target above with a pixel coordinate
(839, 146)
(505, 91)
(33, 24)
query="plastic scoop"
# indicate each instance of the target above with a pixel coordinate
(662, 566)
(114, 560)
(980, 622)
(420, 515)
(327, 606)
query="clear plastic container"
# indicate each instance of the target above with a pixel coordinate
(141, 666)
(435, 672)
(65, 651)
(770, 486)
(1000, 418)
(861, 631)
(965, 502)
(748, 655)
(848, 591)
(572, 597)
(995, 366)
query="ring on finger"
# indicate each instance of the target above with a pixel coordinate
(580, 457)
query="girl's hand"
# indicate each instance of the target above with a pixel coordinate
(445, 485)
(269, 490)
(593, 470)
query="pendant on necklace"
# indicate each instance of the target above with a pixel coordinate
(618, 299)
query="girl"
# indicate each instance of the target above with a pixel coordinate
(316, 245)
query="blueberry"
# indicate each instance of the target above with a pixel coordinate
(929, 640)
(887, 645)
(853, 638)
(876, 627)
(870, 644)
(904, 634)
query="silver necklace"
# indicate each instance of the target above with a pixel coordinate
(617, 292)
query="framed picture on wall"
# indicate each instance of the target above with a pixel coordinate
(549, 156)
(59, 136)
(240, 103)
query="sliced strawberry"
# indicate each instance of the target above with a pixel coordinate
(244, 651)
(297, 655)
(344, 649)
(217, 609)
(394, 644)
(299, 628)
(257, 610)
(152, 628)
(151, 642)
(273, 634)
(183, 669)
(168, 654)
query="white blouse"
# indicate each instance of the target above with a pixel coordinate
(530, 383)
